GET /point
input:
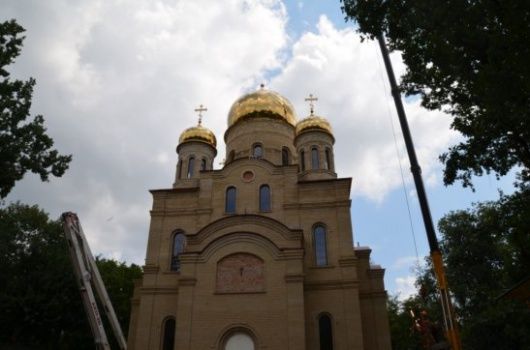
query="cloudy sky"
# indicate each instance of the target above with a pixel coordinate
(117, 82)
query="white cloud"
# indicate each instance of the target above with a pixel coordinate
(405, 286)
(117, 83)
(409, 262)
(349, 78)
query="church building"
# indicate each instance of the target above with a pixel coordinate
(258, 254)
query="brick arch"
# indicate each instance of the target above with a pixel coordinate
(276, 232)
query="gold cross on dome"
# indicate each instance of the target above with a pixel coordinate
(200, 110)
(311, 99)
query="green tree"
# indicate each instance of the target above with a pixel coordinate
(119, 281)
(24, 144)
(486, 252)
(40, 302)
(403, 336)
(470, 59)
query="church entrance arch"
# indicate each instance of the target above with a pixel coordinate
(238, 337)
(239, 341)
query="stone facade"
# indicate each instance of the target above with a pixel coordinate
(274, 266)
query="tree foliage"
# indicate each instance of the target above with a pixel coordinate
(469, 58)
(24, 144)
(40, 302)
(486, 250)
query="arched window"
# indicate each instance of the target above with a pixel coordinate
(239, 341)
(179, 243)
(314, 158)
(257, 151)
(328, 159)
(264, 198)
(285, 156)
(203, 164)
(319, 239)
(230, 201)
(168, 338)
(191, 163)
(302, 160)
(179, 169)
(325, 332)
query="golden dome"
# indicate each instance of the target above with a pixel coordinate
(313, 122)
(274, 104)
(198, 133)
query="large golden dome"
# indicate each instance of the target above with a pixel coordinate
(270, 102)
(198, 133)
(313, 122)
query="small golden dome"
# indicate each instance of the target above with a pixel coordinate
(198, 133)
(313, 122)
(270, 102)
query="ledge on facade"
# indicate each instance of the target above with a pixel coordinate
(348, 261)
(376, 271)
(363, 252)
(174, 190)
(150, 268)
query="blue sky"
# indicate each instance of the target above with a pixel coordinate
(117, 84)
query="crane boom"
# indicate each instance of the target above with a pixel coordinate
(87, 274)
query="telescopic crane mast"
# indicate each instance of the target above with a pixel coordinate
(87, 273)
(436, 256)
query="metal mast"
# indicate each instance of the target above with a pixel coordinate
(436, 256)
(87, 273)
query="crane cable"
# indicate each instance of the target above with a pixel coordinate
(398, 155)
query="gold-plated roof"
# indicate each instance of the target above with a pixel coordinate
(198, 133)
(262, 101)
(313, 122)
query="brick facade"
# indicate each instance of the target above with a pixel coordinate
(255, 271)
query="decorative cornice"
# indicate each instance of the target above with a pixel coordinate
(159, 290)
(348, 261)
(239, 220)
(294, 278)
(331, 285)
(150, 269)
(316, 205)
(187, 281)
(373, 295)
(180, 212)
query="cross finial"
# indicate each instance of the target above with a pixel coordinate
(311, 99)
(200, 110)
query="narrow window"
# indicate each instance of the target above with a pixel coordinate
(285, 156)
(257, 151)
(230, 203)
(168, 340)
(191, 162)
(179, 243)
(264, 198)
(319, 238)
(314, 158)
(328, 159)
(203, 164)
(179, 169)
(325, 332)
(302, 160)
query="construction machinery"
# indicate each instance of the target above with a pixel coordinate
(87, 276)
